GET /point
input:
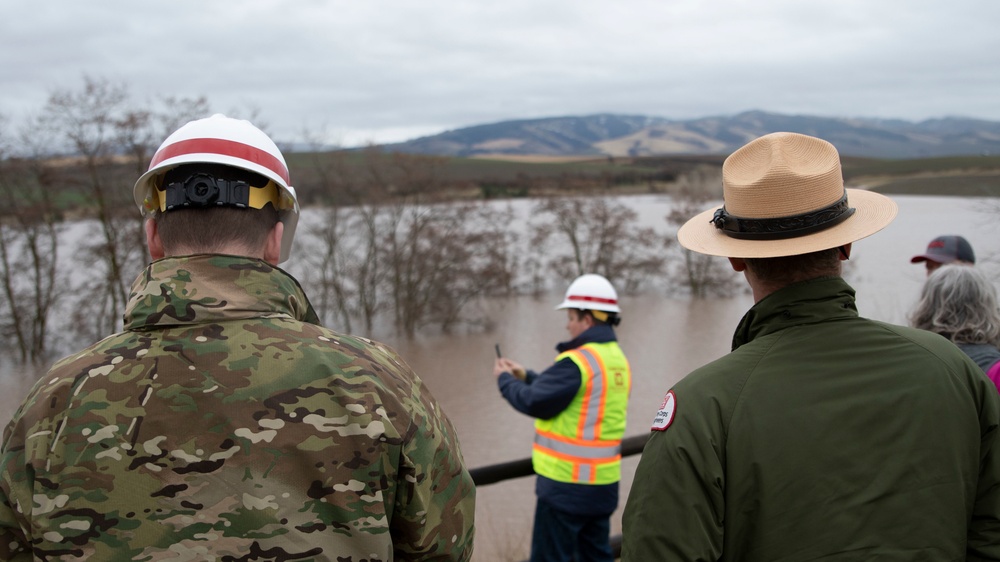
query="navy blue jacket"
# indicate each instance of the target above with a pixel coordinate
(544, 395)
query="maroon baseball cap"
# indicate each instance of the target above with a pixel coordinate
(946, 249)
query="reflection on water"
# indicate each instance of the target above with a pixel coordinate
(664, 338)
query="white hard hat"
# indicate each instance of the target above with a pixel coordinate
(231, 142)
(591, 292)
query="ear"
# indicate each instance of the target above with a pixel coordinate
(738, 264)
(153, 242)
(272, 248)
(845, 251)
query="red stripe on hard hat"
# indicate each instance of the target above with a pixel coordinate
(224, 148)
(592, 299)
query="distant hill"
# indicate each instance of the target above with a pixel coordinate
(636, 135)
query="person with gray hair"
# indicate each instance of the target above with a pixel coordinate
(960, 303)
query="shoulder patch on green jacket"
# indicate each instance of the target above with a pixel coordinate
(665, 415)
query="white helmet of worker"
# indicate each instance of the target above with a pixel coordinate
(231, 142)
(591, 292)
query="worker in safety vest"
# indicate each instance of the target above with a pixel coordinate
(580, 404)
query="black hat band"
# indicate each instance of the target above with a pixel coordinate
(781, 228)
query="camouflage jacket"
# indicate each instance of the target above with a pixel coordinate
(224, 424)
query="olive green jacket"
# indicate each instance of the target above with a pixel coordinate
(224, 423)
(822, 436)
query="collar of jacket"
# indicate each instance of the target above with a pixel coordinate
(599, 333)
(210, 288)
(806, 302)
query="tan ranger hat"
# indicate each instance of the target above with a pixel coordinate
(784, 195)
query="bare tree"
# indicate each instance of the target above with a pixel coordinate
(701, 274)
(439, 257)
(382, 248)
(444, 258)
(472, 257)
(596, 235)
(90, 120)
(110, 143)
(29, 236)
(328, 255)
(346, 272)
(329, 245)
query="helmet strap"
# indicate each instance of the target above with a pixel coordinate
(205, 190)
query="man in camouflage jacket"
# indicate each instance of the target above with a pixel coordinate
(224, 423)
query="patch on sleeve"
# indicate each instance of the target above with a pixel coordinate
(665, 416)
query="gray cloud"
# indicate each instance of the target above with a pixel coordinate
(392, 69)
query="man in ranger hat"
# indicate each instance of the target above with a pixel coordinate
(580, 403)
(224, 423)
(822, 435)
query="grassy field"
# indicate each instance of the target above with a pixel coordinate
(971, 185)
(502, 176)
(495, 168)
(957, 176)
(349, 177)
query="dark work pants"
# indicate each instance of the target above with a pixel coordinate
(559, 536)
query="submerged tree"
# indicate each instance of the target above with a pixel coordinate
(443, 258)
(110, 142)
(90, 122)
(595, 235)
(701, 274)
(382, 248)
(29, 237)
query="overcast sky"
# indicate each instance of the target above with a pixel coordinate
(388, 70)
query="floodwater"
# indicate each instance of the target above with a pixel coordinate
(664, 338)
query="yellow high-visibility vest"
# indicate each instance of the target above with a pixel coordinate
(582, 445)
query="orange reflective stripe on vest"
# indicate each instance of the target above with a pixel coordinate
(593, 396)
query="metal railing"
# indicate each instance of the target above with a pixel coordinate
(486, 475)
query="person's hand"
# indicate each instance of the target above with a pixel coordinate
(516, 369)
(503, 364)
(499, 366)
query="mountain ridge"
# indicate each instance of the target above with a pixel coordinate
(618, 135)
